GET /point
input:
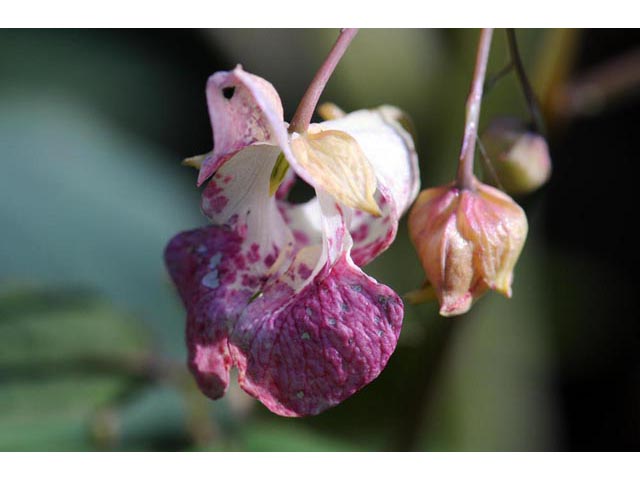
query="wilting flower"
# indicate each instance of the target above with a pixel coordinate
(519, 158)
(276, 288)
(468, 241)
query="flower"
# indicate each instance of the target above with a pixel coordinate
(520, 159)
(468, 241)
(276, 288)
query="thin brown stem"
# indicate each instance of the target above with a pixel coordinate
(302, 117)
(489, 165)
(491, 81)
(530, 96)
(465, 178)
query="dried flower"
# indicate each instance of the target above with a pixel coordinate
(468, 241)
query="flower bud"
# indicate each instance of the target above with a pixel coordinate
(519, 158)
(468, 242)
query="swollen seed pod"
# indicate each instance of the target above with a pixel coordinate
(519, 159)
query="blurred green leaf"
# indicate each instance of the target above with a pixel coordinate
(154, 419)
(63, 355)
(85, 204)
(48, 329)
(276, 437)
(54, 413)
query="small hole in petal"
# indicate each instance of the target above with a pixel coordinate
(301, 192)
(228, 92)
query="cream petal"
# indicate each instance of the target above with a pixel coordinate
(388, 147)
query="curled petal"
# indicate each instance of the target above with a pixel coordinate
(388, 147)
(245, 109)
(373, 235)
(337, 164)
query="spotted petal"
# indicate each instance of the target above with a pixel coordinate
(245, 109)
(219, 269)
(203, 264)
(319, 330)
(314, 339)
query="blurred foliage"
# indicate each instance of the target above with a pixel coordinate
(93, 125)
(63, 355)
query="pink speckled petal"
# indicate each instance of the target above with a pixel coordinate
(218, 269)
(371, 235)
(321, 331)
(244, 109)
(238, 196)
(304, 220)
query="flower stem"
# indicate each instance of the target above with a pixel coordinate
(302, 117)
(465, 178)
(532, 102)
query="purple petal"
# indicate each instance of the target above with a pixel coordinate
(302, 353)
(204, 264)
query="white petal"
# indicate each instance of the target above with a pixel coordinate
(389, 149)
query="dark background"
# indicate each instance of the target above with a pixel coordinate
(93, 125)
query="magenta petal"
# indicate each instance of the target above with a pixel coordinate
(301, 354)
(203, 263)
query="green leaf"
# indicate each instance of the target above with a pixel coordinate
(64, 355)
(53, 329)
(277, 437)
(82, 203)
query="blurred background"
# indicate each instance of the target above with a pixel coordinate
(93, 126)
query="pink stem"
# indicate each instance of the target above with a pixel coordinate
(302, 117)
(465, 178)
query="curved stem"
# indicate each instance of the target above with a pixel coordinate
(302, 117)
(491, 81)
(532, 102)
(465, 178)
